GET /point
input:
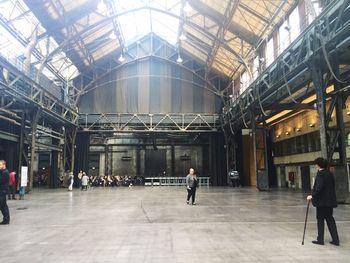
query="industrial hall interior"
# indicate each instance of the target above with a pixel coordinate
(175, 131)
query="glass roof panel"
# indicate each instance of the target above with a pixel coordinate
(219, 6)
(135, 25)
(24, 22)
(141, 22)
(165, 26)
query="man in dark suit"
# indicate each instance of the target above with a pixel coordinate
(323, 197)
(4, 185)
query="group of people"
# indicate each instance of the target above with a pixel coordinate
(107, 181)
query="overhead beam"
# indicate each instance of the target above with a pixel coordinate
(218, 18)
(252, 12)
(107, 20)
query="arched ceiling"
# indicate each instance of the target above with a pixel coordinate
(222, 34)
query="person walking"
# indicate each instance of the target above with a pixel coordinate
(323, 197)
(70, 181)
(191, 184)
(4, 185)
(12, 186)
(84, 181)
(80, 176)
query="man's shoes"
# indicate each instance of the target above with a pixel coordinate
(316, 242)
(187, 202)
(334, 243)
(193, 203)
(4, 223)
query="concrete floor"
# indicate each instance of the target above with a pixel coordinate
(155, 225)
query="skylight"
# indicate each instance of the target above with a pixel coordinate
(138, 23)
(17, 15)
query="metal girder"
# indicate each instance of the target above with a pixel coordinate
(57, 5)
(4, 23)
(116, 25)
(253, 12)
(137, 122)
(218, 18)
(69, 148)
(224, 26)
(261, 38)
(35, 95)
(279, 81)
(106, 20)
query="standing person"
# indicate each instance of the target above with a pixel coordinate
(191, 183)
(12, 186)
(70, 181)
(234, 177)
(80, 176)
(323, 197)
(84, 181)
(4, 185)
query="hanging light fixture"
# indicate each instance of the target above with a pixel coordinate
(121, 58)
(112, 35)
(179, 59)
(182, 37)
(187, 8)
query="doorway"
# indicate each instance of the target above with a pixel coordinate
(305, 178)
(155, 162)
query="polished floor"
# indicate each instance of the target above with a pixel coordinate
(145, 224)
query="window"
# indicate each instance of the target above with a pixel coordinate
(348, 139)
(256, 67)
(284, 36)
(245, 81)
(270, 56)
(294, 24)
(140, 22)
(318, 9)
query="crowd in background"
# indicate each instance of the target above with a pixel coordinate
(83, 181)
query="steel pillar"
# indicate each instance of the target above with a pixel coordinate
(21, 144)
(319, 84)
(36, 116)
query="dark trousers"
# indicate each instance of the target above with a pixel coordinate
(191, 193)
(12, 192)
(3, 207)
(326, 213)
(235, 182)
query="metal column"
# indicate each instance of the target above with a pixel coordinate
(36, 115)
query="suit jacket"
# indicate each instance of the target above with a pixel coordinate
(323, 192)
(4, 180)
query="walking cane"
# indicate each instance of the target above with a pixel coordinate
(307, 213)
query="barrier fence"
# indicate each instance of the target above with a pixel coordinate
(174, 181)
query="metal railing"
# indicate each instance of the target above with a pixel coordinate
(174, 181)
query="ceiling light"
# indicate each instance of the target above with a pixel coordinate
(112, 35)
(182, 37)
(287, 133)
(312, 125)
(298, 129)
(348, 113)
(179, 59)
(101, 7)
(121, 58)
(187, 8)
